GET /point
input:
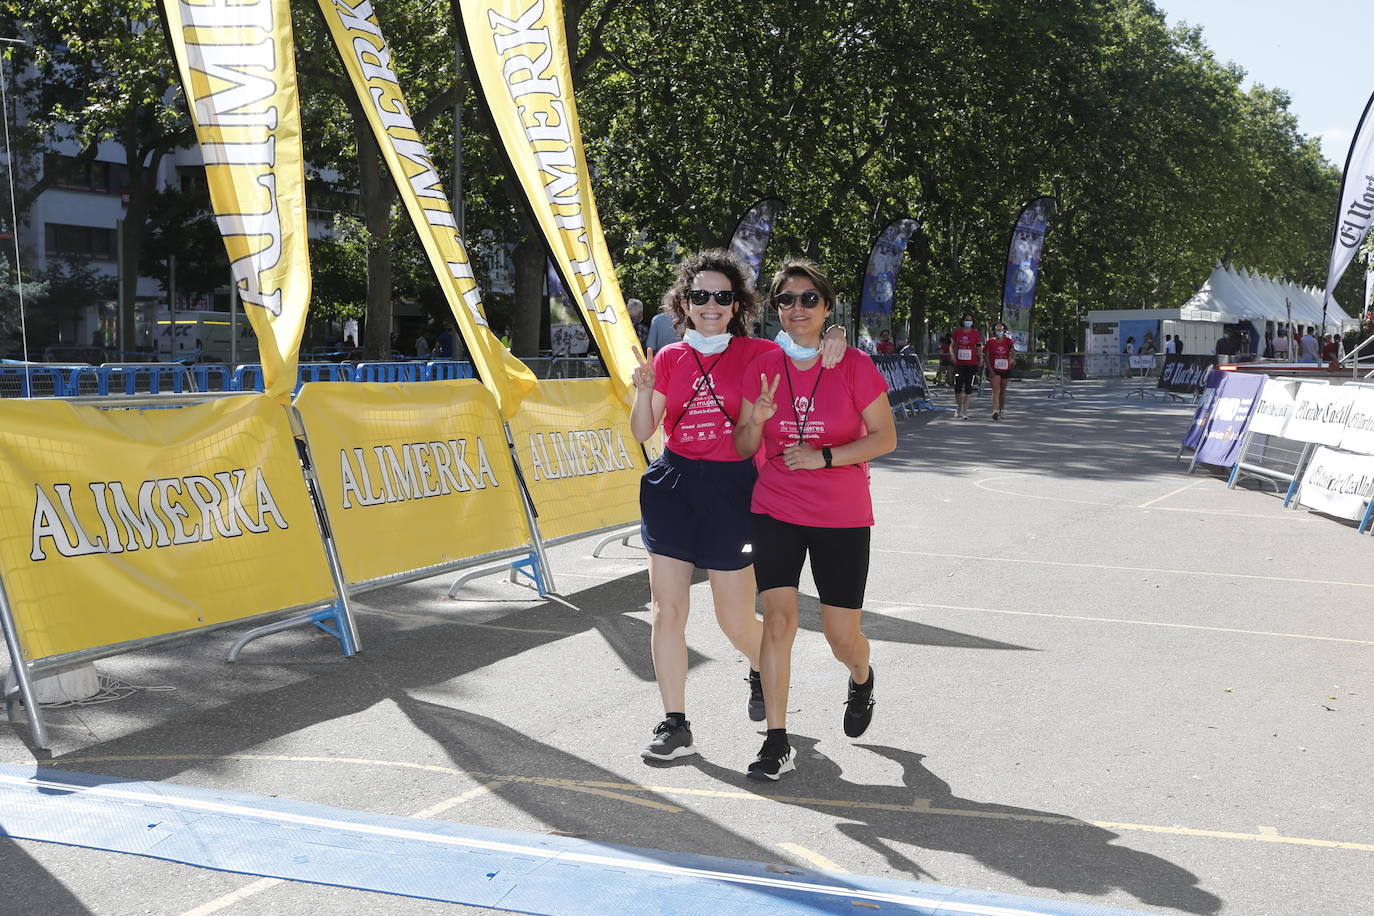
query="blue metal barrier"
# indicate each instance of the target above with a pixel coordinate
(20, 381)
(247, 377)
(410, 371)
(438, 370)
(144, 378)
(212, 377)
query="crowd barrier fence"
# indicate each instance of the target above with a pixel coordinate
(90, 568)
(1316, 438)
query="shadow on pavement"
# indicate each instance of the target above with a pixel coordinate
(29, 888)
(1038, 849)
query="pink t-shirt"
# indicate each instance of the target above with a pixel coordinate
(693, 418)
(1000, 352)
(966, 341)
(830, 404)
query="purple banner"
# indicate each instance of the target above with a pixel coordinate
(753, 233)
(884, 260)
(1203, 416)
(1231, 410)
(1023, 268)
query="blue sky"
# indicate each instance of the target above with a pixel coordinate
(1317, 50)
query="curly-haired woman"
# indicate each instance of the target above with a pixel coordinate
(694, 499)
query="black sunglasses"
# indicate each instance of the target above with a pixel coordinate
(807, 300)
(703, 296)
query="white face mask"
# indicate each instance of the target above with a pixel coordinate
(968, 324)
(1000, 333)
(793, 349)
(704, 345)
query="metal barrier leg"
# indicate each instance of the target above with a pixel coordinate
(622, 536)
(529, 562)
(37, 727)
(317, 618)
(1368, 518)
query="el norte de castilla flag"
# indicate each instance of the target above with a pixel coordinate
(519, 51)
(238, 71)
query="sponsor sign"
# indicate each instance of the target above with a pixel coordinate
(1184, 373)
(413, 475)
(580, 460)
(1358, 435)
(1320, 413)
(519, 52)
(237, 63)
(1203, 415)
(1274, 408)
(1338, 483)
(120, 525)
(1231, 409)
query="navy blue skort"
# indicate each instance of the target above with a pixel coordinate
(698, 511)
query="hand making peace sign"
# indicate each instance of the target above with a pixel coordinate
(643, 376)
(765, 405)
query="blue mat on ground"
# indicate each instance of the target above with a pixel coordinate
(457, 863)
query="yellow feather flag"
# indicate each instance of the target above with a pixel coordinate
(519, 51)
(238, 70)
(367, 59)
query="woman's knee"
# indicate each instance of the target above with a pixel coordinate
(668, 615)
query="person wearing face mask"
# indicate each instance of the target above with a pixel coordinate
(818, 427)
(999, 352)
(694, 499)
(967, 343)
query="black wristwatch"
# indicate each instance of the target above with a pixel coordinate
(829, 456)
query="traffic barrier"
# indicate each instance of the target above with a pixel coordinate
(580, 462)
(439, 370)
(129, 521)
(906, 382)
(396, 371)
(25, 380)
(248, 377)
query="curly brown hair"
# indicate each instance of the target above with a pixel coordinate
(808, 269)
(720, 261)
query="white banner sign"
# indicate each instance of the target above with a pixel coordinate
(1357, 200)
(1338, 483)
(1359, 427)
(1319, 413)
(1274, 408)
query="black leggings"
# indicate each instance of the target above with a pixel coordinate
(839, 559)
(963, 379)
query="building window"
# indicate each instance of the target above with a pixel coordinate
(84, 241)
(101, 177)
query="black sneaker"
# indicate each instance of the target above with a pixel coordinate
(670, 742)
(858, 708)
(756, 710)
(774, 759)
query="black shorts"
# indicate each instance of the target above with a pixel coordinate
(839, 559)
(1000, 373)
(963, 379)
(698, 511)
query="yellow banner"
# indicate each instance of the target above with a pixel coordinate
(413, 475)
(117, 525)
(519, 51)
(238, 70)
(367, 58)
(580, 459)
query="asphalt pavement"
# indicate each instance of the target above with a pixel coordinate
(1100, 680)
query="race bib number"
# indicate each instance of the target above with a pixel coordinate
(1001, 364)
(963, 354)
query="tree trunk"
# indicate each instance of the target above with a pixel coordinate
(529, 260)
(376, 200)
(142, 186)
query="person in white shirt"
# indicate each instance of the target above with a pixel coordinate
(1309, 348)
(1170, 347)
(1281, 344)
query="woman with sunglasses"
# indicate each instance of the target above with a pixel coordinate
(818, 431)
(694, 499)
(999, 352)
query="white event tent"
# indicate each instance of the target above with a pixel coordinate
(1232, 296)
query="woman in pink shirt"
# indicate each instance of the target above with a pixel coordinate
(694, 499)
(818, 427)
(1000, 352)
